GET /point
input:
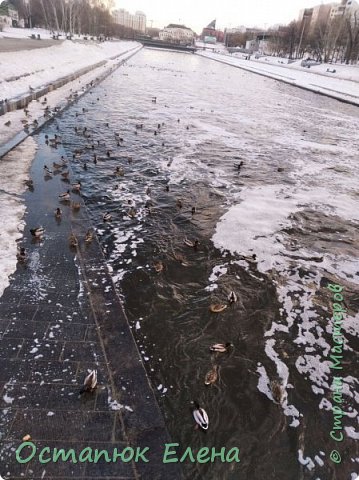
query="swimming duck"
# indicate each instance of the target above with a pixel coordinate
(220, 347)
(277, 391)
(158, 266)
(107, 217)
(76, 186)
(65, 175)
(211, 375)
(180, 258)
(89, 236)
(73, 240)
(193, 210)
(130, 160)
(232, 297)
(119, 171)
(37, 232)
(179, 203)
(90, 382)
(189, 243)
(200, 416)
(58, 213)
(57, 166)
(132, 212)
(85, 166)
(167, 188)
(21, 255)
(217, 307)
(64, 196)
(47, 170)
(154, 99)
(75, 206)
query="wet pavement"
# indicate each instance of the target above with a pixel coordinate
(59, 318)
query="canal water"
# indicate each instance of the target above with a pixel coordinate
(293, 204)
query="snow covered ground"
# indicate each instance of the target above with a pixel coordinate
(315, 79)
(20, 70)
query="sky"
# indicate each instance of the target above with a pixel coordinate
(196, 14)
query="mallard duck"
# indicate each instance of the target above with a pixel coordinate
(64, 196)
(37, 232)
(75, 205)
(90, 382)
(89, 236)
(167, 188)
(119, 171)
(193, 211)
(73, 240)
(132, 212)
(47, 171)
(277, 391)
(200, 416)
(232, 297)
(189, 243)
(65, 175)
(57, 166)
(217, 307)
(76, 186)
(29, 183)
(158, 266)
(211, 375)
(180, 258)
(130, 160)
(107, 217)
(58, 213)
(21, 255)
(220, 347)
(179, 203)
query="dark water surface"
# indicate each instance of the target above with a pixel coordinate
(301, 221)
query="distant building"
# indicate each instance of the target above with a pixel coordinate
(177, 34)
(126, 19)
(9, 16)
(345, 8)
(210, 31)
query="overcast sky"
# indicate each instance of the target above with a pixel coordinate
(196, 14)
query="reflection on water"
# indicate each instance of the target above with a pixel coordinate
(290, 204)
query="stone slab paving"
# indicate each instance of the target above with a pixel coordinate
(60, 317)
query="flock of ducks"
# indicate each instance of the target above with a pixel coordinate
(90, 383)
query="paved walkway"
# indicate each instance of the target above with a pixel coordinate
(60, 317)
(18, 44)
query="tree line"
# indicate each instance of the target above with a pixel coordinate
(334, 40)
(81, 17)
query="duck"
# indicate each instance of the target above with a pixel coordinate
(75, 206)
(64, 196)
(73, 240)
(107, 217)
(65, 175)
(154, 99)
(47, 170)
(76, 186)
(180, 258)
(211, 375)
(158, 266)
(217, 307)
(189, 243)
(221, 347)
(200, 416)
(179, 203)
(132, 212)
(57, 166)
(119, 171)
(277, 391)
(37, 232)
(90, 382)
(167, 188)
(232, 297)
(193, 211)
(21, 255)
(58, 213)
(89, 236)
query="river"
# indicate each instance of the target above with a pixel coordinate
(293, 203)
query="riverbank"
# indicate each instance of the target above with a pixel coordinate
(60, 318)
(337, 88)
